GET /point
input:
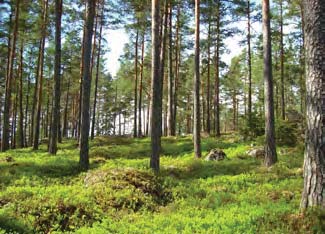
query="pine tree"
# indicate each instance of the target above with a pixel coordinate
(314, 165)
(86, 84)
(196, 91)
(57, 79)
(9, 81)
(270, 148)
(156, 89)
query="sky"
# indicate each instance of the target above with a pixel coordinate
(118, 38)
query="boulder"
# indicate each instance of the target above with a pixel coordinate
(216, 155)
(256, 153)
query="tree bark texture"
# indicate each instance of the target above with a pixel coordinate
(86, 85)
(249, 64)
(177, 65)
(314, 163)
(196, 86)
(140, 88)
(57, 79)
(135, 111)
(39, 87)
(156, 89)
(170, 119)
(283, 108)
(21, 142)
(97, 77)
(270, 149)
(216, 80)
(208, 124)
(8, 85)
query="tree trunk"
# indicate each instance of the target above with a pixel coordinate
(203, 109)
(21, 112)
(165, 113)
(8, 68)
(234, 105)
(148, 114)
(57, 79)
(48, 112)
(119, 124)
(314, 164)
(31, 136)
(276, 87)
(115, 108)
(208, 124)
(27, 120)
(270, 148)
(47, 122)
(86, 85)
(74, 114)
(97, 77)
(14, 123)
(171, 128)
(135, 130)
(40, 80)
(283, 112)
(163, 45)
(196, 86)
(249, 63)
(81, 77)
(8, 85)
(140, 89)
(156, 89)
(60, 128)
(188, 115)
(302, 64)
(177, 64)
(94, 46)
(216, 80)
(65, 118)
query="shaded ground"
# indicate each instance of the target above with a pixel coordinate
(40, 193)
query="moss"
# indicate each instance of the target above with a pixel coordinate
(120, 194)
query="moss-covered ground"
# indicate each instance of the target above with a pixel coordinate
(40, 193)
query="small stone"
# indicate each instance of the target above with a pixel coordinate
(216, 155)
(256, 153)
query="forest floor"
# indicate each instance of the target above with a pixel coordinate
(40, 193)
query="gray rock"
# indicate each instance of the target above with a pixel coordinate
(216, 155)
(256, 153)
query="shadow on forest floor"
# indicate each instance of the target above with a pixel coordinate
(128, 148)
(58, 168)
(199, 169)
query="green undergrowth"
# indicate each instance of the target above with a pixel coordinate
(40, 193)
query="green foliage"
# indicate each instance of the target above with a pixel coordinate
(253, 129)
(286, 133)
(120, 194)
